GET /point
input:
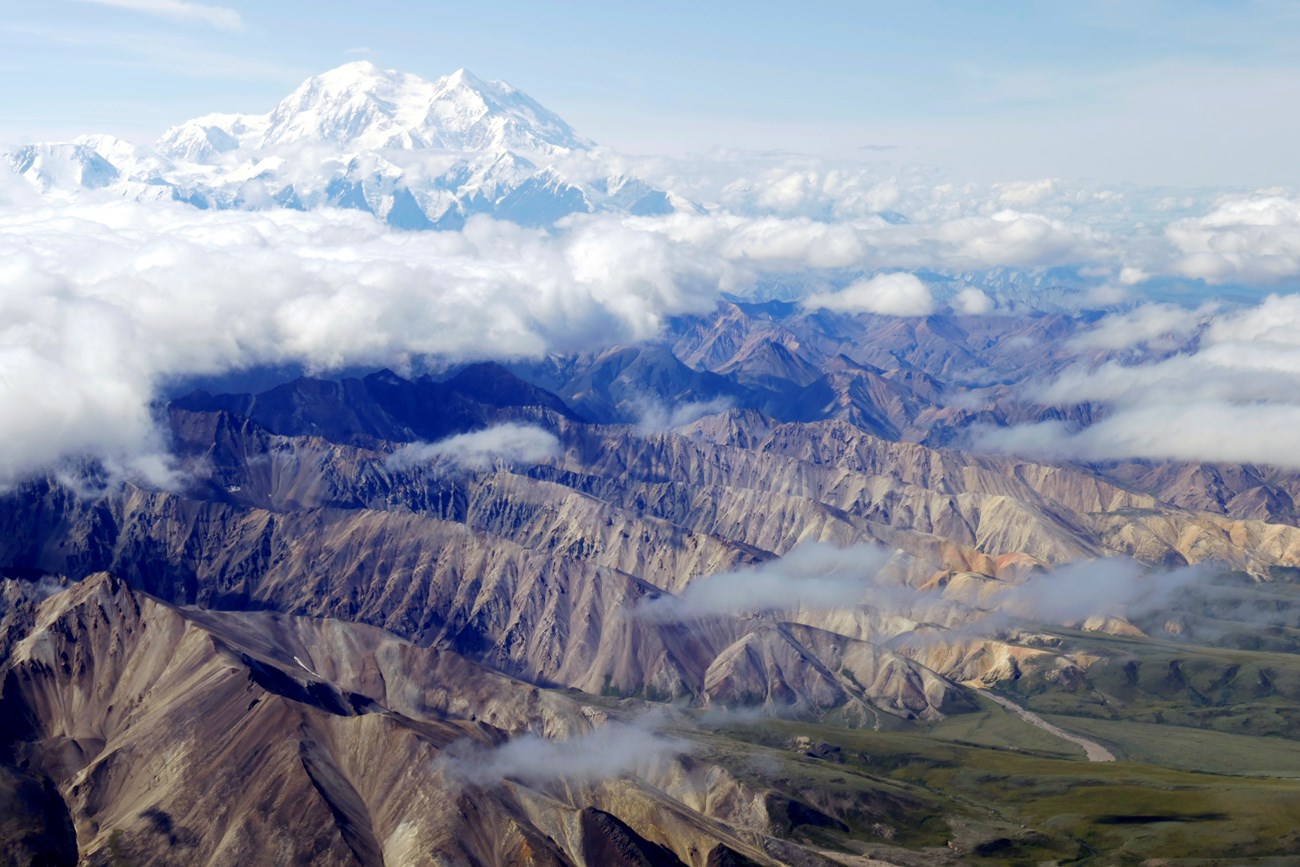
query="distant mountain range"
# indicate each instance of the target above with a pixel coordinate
(418, 154)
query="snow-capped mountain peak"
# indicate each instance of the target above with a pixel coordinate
(204, 139)
(360, 106)
(414, 152)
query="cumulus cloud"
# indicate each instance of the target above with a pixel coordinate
(911, 218)
(1245, 238)
(1014, 238)
(813, 576)
(761, 244)
(104, 301)
(1026, 193)
(779, 184)
(611, 750)
(506, 444)
(181, 10)
(897, 294)
(972, 302)
(812, 190)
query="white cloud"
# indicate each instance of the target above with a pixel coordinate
(656, 417)
(105, 301)
(1129, 276)
(1074, 592)
(1245, 238)
(897, 294)
(1207, 430)
(1156, 326)
(503, 444)
(766, 243)
(972, 302)
(1071, 594)
(609, 751)
(812, 576)
(1013, 238)
(812, 190)
(181, 10)
(1231, 395)
(1025, 193)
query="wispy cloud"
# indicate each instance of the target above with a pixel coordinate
(814, 576)
(181, 10)
(655, 416)
(177, 55)
(1227, 394)
(504, 444)
(604, 753)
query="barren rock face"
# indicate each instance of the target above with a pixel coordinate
(228, 736)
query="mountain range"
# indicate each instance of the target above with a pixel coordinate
(408, 618)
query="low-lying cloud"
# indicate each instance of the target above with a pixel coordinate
(972, 302)
(814, 576)
(1209, 597)
(654, 416)
(105, 300)
(607, 752)
(1074, 592)
(1253, 238)
(1162, 327)
(1219, 386)
(508, 444)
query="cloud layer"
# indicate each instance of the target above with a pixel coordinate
(1244, 239)
(105, 301)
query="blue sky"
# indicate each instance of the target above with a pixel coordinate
(1187, 93)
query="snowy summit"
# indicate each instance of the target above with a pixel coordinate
(360, 107)
(419, 154)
